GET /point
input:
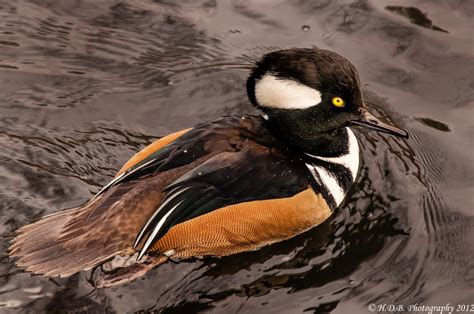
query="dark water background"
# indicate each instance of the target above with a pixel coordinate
(85, 84)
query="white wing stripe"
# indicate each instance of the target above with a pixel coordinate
(122, 176)
(166, 201)
(156, 230)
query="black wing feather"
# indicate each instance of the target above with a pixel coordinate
(200, 141)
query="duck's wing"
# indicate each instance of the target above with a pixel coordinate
(185, 147)
(251, 174)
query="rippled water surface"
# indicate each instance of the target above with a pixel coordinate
(85, 84)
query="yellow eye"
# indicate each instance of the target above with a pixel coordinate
(338, 102)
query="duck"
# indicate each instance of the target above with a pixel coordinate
(231, 185)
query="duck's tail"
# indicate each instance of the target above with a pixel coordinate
(57, 246)
(81, 238)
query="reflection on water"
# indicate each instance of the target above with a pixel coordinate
(415, 16)
(84, 84)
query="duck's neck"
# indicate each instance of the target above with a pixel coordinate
(330, 144)
(336, 174)
(349, 159)
(332, 158)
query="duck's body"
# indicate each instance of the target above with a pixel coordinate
(223, 187)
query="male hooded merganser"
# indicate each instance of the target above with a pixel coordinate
(222, 187)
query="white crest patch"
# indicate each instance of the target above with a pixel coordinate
(275, 92)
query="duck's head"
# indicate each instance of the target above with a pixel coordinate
(311, 93)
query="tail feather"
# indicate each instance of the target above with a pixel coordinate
(37, 235)
(43, 247)
(77, 239)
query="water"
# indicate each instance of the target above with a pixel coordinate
(85, 84)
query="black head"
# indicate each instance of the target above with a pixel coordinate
(311, 92)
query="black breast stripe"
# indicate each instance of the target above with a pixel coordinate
(342, 174)
(319, 187)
